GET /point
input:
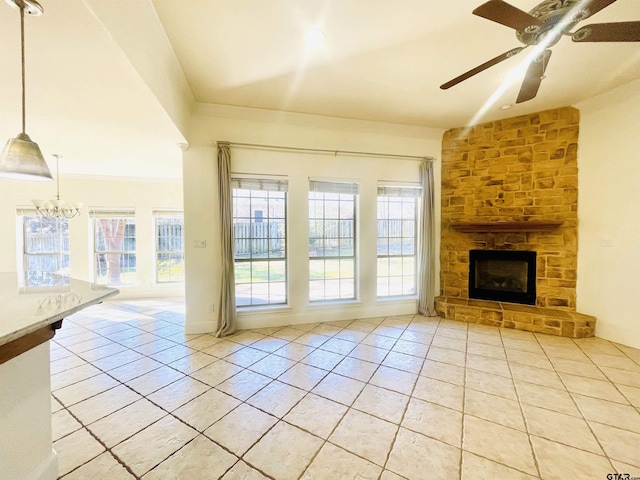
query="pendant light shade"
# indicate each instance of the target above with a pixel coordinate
(21, 158)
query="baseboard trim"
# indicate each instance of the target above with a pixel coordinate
(195, 328)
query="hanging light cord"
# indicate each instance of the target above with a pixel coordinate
(24, 121)
(57, 178)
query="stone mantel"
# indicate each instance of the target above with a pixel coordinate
(505, 226)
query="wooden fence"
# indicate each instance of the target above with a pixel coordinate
(265, 237)
(258, 237)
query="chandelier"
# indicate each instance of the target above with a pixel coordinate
(57, 208)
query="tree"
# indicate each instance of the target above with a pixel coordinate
(113, 230)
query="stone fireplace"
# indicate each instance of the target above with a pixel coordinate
(512, 186)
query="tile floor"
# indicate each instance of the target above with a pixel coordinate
(379, 398)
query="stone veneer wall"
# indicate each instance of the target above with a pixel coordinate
(518, 169)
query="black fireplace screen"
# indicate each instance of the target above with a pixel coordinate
(505, 276)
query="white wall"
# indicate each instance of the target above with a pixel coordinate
(212, 123)
(609, 213)
(142, 195)
(25, 398)
(135, 27)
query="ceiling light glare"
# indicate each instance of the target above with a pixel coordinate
(506, 106)
(314, 38)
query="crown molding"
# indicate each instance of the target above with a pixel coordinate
(116, 178)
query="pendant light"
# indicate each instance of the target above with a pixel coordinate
(21, 158)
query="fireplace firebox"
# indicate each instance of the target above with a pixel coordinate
(503, 275)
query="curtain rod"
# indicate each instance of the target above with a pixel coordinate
(327, 151)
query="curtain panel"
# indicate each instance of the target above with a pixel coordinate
(426, 286)
(227, 319)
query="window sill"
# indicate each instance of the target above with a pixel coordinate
(388, 300)
(330, 304)
(261, 310)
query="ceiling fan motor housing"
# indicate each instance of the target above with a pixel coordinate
(557, 16)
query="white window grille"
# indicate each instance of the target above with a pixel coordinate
(45, 246)
(169, 246)
(397, 214)
(114, 246)
(260, 240)
(332, 240)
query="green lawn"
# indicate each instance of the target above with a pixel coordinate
(274, 270)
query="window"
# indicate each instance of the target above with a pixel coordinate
(397, 226)
(332, 237)
(169, 246)
(114, 245)
(45, 246)
(260, 241)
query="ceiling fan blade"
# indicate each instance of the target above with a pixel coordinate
(506, 14)
(608, 32)
(533, 78)
(482, 67)
(594, 6)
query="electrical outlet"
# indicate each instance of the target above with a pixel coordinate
(199, 244)
(211, 308)
(606, 242)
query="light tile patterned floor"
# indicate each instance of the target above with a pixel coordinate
(377, 398)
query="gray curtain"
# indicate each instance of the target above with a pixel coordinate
(426, 274)
(226, 324)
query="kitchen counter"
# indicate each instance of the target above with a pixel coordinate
(25, 308)
(30, 313)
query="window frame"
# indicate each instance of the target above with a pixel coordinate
(401, 191)
(127, 214)
(63, 239)
(168, 214)
(333, 191)
(268, 184)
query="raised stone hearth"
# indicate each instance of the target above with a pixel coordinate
(522, 317)
(513, 185)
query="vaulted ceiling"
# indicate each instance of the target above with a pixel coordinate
(110, 83)
(381, 60)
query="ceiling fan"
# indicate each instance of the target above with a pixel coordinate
(542, 28)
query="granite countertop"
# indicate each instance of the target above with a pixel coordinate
(28, 306)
